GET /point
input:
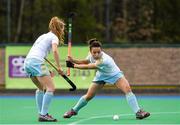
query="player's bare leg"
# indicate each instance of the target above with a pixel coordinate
(123, 84)
(39, 93)
(37, 83)
(93, 89)
(47, 97)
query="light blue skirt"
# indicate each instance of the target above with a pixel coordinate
(35, 67)
(108, 79)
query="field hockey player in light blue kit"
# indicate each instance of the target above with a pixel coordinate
(107, 72)
(37, 70)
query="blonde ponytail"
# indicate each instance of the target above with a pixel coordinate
(56, 25)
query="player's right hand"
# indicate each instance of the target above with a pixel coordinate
(52, 74)
(60, 71)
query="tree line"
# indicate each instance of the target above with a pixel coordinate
(111, 21)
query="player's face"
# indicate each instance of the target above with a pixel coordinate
(96, 52)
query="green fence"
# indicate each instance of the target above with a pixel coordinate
(82, 78)
(141, 64)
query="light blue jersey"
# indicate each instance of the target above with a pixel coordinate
(43, 46)
(107, 70)
(34, 63)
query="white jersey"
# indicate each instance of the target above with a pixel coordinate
(106, 68)
(43, 46)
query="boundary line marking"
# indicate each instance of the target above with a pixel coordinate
(106, 116)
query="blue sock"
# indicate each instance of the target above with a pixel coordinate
(132, 101)
(81, 103)
(39, 99)
(46, 102)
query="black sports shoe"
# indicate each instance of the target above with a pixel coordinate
(142, 114)
(69, 114)
(46, 118)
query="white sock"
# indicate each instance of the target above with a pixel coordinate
(132, 101)
(39, 99)
(46, 102)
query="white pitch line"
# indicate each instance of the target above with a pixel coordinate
(105, 116)
(96, 117)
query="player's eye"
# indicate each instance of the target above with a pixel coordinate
(98, 52)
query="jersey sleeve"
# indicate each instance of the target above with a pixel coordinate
(100, 64)
(55, 40)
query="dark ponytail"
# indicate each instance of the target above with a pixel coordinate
(94, 43)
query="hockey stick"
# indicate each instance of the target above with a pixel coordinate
(64, 76)
(70, 18)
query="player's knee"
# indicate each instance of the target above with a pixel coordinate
(127, 89)
(51, 89)
(40, 89)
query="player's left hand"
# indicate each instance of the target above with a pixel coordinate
(69, 64)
